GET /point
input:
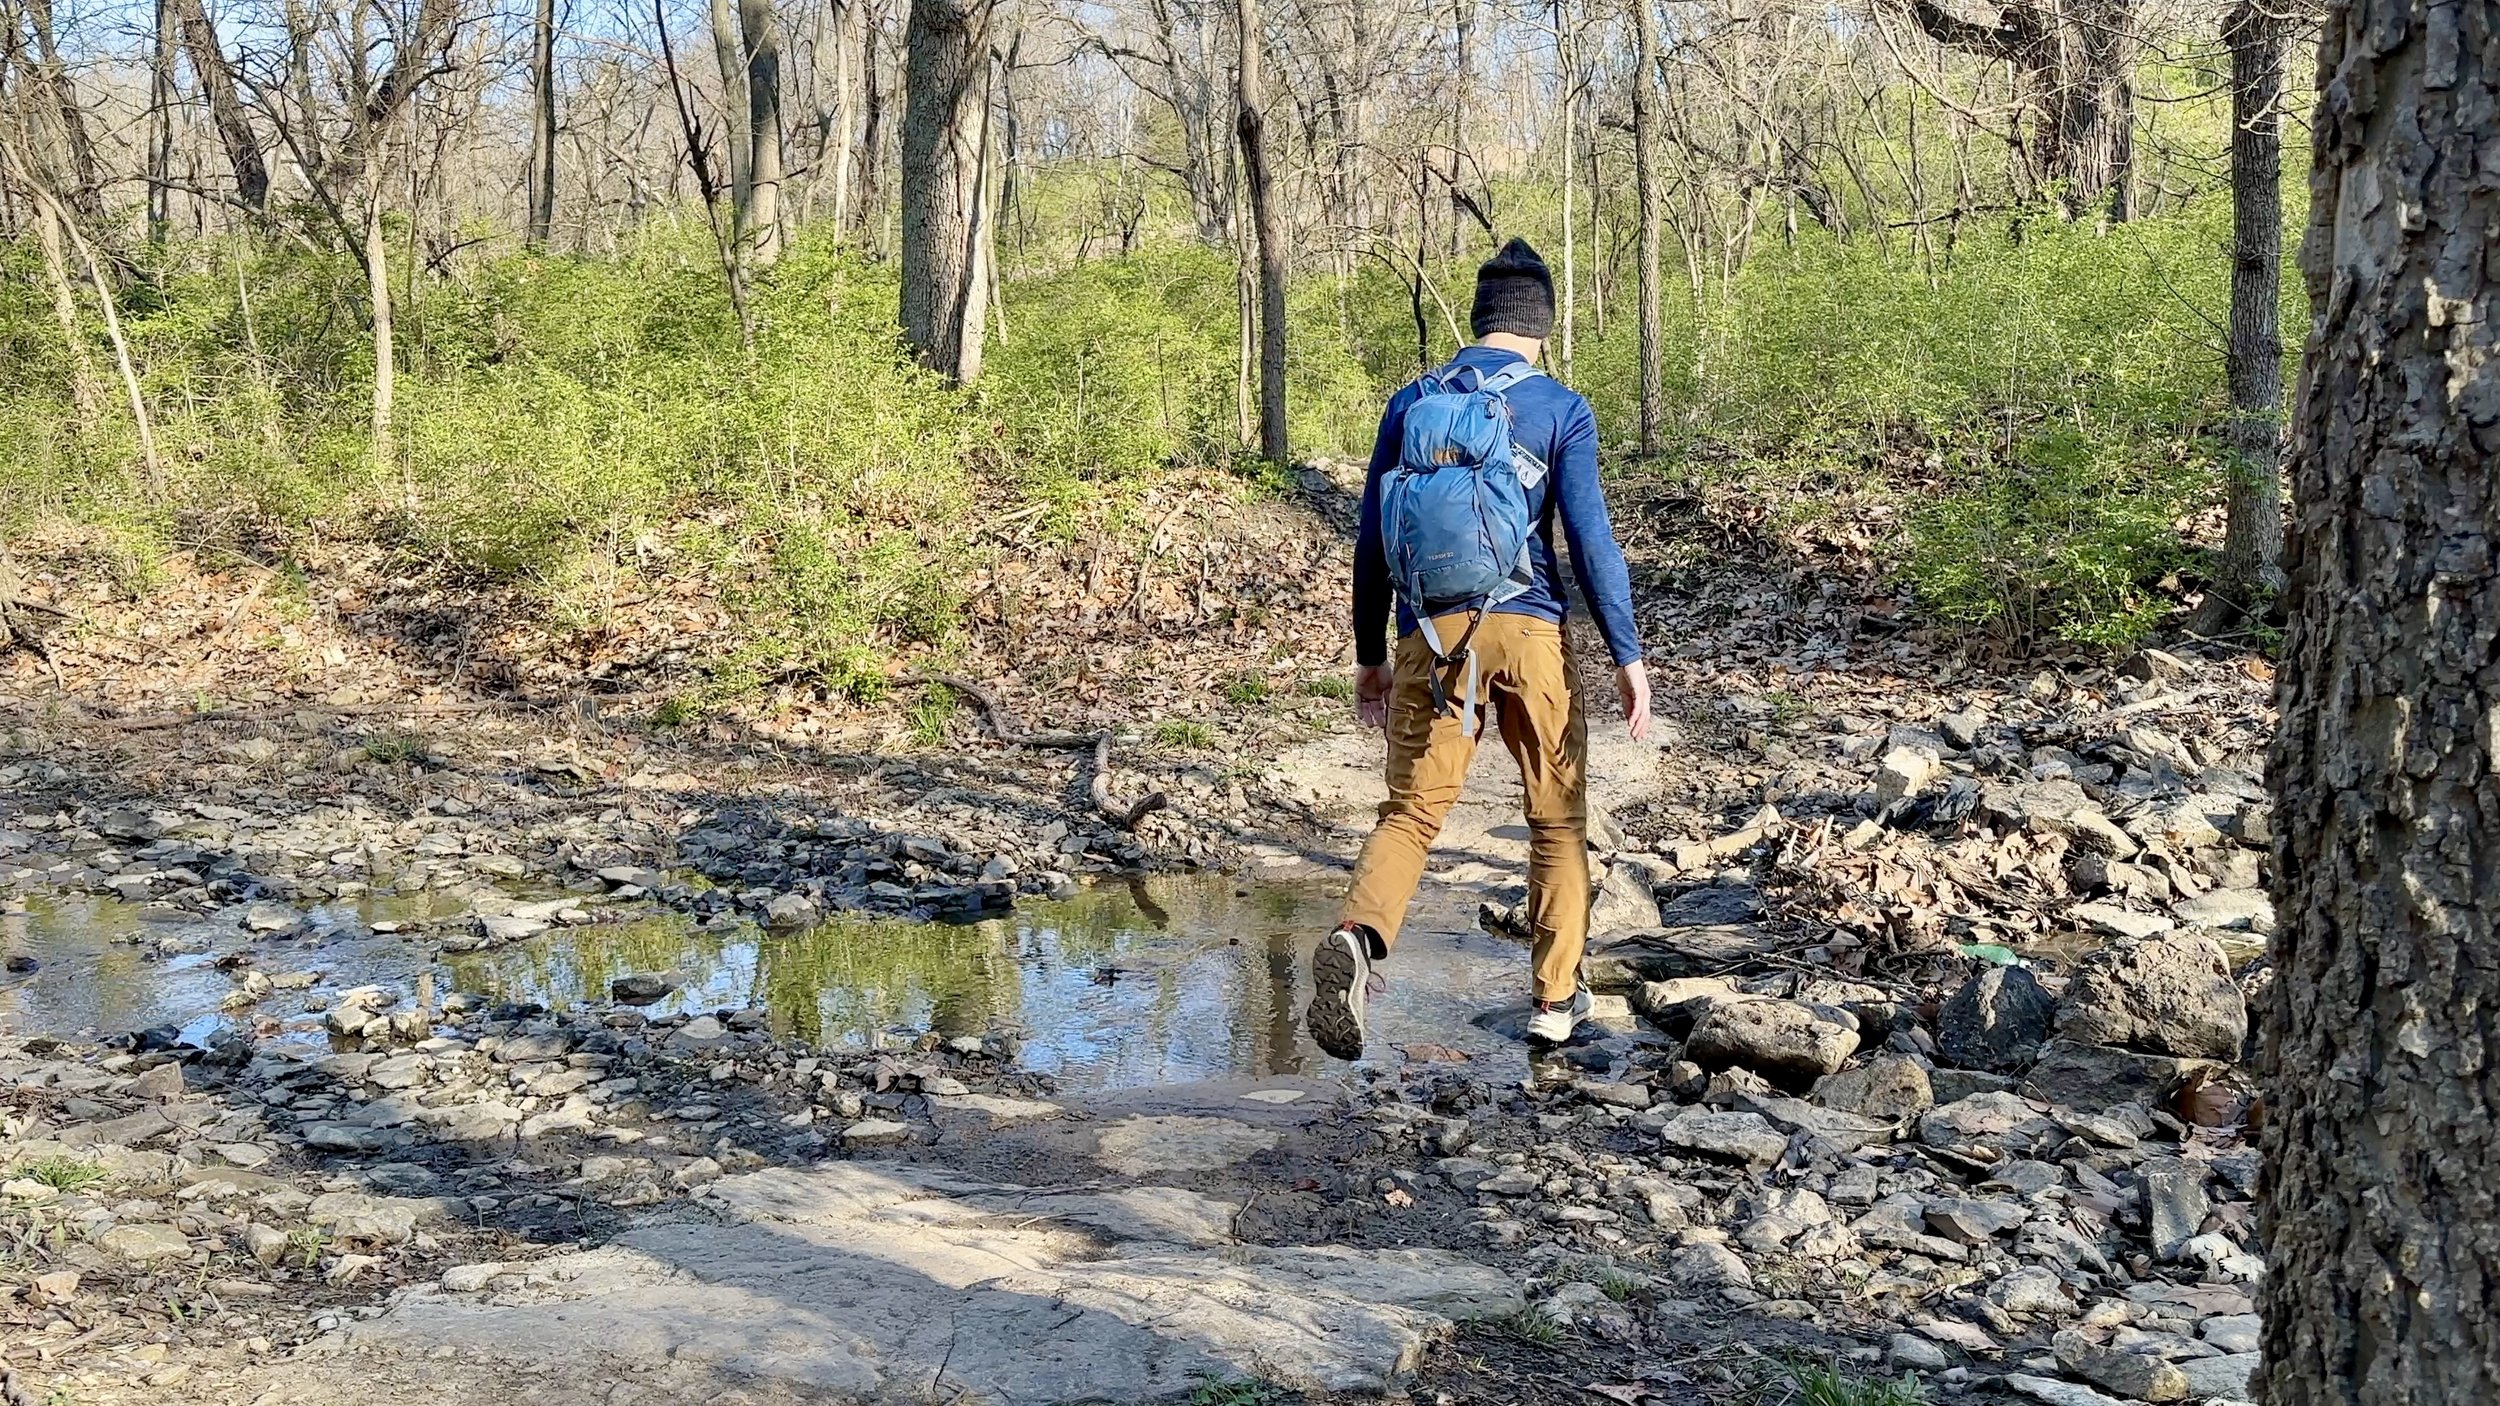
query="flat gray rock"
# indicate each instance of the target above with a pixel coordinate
(853, 1282)
(2226, 1376)
(1145, 1144)
(1738, 1137)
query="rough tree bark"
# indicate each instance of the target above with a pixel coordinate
(1645, 179)
(2382, 1128)
(543, 126)
(762, 32)
(225, 104)
(2251, 568)
(945, 111)
(1260, 183)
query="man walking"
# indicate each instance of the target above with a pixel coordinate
(1474, 465)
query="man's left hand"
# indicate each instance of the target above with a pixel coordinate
(1632, 682)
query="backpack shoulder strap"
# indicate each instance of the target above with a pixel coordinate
(1511, 374)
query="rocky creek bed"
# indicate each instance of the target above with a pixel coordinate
(2017, 1191)
(1920, 1052)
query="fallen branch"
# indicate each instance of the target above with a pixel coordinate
(147, 722)
(1004, 726)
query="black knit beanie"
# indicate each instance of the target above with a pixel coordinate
(1514, 293)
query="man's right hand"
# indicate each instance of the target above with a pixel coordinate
(1371, 694)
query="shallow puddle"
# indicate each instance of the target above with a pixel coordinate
(1161, 981)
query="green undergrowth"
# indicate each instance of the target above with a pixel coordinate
(2041, 401)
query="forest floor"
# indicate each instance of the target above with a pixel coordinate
(1819, 1121)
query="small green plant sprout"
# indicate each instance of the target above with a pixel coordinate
(677, 710)
(397, 746)
(1236, 1391)
(1619, 1286)
(1824, 1382)
(1246, 691)
(64, 1174)
(933, 715)
(1194, 735)
(304, 1245)
(1336, 686)
(1533, 1326)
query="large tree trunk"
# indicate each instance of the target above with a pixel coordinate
(1645, 178)
(945, 112)
(2085, 145)
(2076, 61)
(225, 104)
(2251, 568)
(763, 54)
(543, 127)
(1270, 227)
(2381, 1209)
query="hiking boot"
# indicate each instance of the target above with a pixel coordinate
(1341, 976)
(1554, 1021)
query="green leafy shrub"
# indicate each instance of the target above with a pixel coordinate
(2062, 542)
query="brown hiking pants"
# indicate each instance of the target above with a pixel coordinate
(1525, 681)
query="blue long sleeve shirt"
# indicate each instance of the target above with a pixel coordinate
(1552, 422)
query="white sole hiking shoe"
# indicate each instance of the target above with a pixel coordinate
(1554, 1021)
(1340, 980)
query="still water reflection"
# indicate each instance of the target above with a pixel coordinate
(1165, 980)
(1160, 981)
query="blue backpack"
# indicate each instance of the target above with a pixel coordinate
(1454, 512)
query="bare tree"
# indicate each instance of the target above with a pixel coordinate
(729, 55)
(760, 212)
(56, 216)
(65, 121)
(161, 124)
(543, 126)
(945, 141)
(2076, 60)
(2251, 571)
(1645, 179)
(1251, 120)
(2382, 1117)
(226, 109)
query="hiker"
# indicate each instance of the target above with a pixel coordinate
(1474, 465)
